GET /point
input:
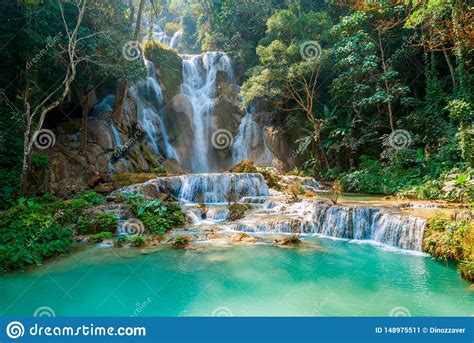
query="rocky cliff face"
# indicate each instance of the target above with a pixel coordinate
(127, 147)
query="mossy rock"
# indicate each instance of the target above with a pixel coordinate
(180, 242)
(169, 68)
(291, 240)
(125, 179)
(237, 211)
(246, 166)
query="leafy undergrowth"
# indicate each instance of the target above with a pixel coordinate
(452, 238)
(456, 186)
(412, 181)
(180, 242)
(39, 228)
(156, 215)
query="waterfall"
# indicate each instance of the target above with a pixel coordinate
(278, 214)
(117, 139)
(174, 41)
(104, 106)
(250, 143)
(199, 86)
(205, 188)
(359, 223)
(149, 99)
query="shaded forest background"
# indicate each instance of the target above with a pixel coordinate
(378, 96)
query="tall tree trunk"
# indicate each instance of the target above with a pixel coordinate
(323, 159)
(450, 66)
(122, 86)
(25, 169)
(85, 118)
(387, 87)
(132, 11)
(139, 19)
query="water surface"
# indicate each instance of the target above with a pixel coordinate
(326, 278)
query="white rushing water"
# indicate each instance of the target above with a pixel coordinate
(148, 97)
(279, 214)
(250, 143)
(199, 87)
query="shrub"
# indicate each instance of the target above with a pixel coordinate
(97, 222)
(246, 166)
(455, 185)
(31, 232)
(179, 242)
(157, 216)
(158, 170)
(100, 237)
(467, 270)
(121, 241)
(137, 241)
(452, 238)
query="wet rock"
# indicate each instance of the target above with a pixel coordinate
(243, 238)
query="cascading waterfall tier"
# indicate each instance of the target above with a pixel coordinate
(149, 99)
(205, 188)
(250, 143)
(199, 87)
(279, 214)
(360, 223)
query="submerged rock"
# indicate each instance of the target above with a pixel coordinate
(243, 238)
